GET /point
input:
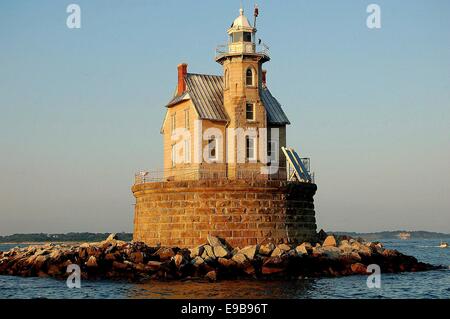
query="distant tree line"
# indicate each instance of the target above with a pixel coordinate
(69, 237)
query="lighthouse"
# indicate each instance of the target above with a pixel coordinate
(224, 140)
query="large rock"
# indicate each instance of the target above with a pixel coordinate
(284, 247)
(248, 251)
(211, 276)
(137, 257)
(112, 237)
(154, 265)
(196, 251)
(266, 249)
(303, 248)
(54, 270)
(92, 262)
(239, 258)
(214, 241)
(330, 241)
(358, 268)
(139, 267)
(277, 252)
(94, 251)
(350, 257)
(110, 257)
(164, 253)
(331, 252)
(390, 253)
(39, 261)
(272, 265)
(271, 270)
(356, 245)
(280, 250)
(364, 250)
(197, 261)
(345, 246)
(220, 251)
(249, 269)
(178, 259)
(119, 266)
(227, 263)
(56, 254)
(208, 253)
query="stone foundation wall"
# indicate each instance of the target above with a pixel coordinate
(242, 212)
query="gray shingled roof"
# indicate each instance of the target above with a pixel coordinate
(206, 93)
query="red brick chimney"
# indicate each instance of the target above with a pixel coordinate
(182, 71)
(263, 79)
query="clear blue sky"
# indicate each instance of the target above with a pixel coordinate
(80, 110)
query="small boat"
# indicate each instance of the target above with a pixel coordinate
(443, 244)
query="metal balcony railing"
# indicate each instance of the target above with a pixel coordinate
(224, 49)
(283, 174)
(186, 174)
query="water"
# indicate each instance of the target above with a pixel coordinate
(432, 284)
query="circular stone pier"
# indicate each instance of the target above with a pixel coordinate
(243, 212)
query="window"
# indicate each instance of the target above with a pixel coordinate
(212, 149)
(241, 37)
(173, 156)
(250, 148)
(173, 123)
(237, 37)
(227, 78)
(269, 149)
(247, 37)
(249, 77)
(272, 151)
(187, 151)
(250, 111)
(186, 119)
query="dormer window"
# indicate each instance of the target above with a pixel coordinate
(249, 77)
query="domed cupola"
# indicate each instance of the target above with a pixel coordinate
(242, 35)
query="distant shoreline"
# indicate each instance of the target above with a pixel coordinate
(76, 238)
(33, 238)
(41, 242)
(395, 235)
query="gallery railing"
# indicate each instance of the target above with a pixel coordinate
(184, 174)
(260, 48)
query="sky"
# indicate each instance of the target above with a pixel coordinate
(81, 109)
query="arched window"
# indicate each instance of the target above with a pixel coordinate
(249, 77)
(227, 79)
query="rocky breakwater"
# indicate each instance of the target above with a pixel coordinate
(116, 259)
